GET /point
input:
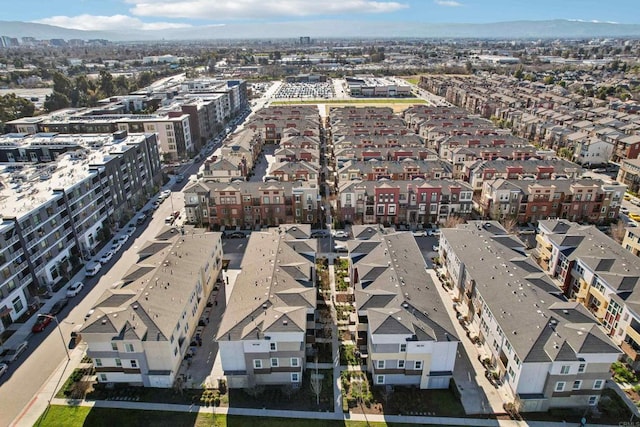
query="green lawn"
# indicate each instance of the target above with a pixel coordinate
(354, 101)
(413, 80)
(70, 416)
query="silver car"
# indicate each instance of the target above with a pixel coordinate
(13, 353)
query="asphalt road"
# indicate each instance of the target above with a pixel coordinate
(46, 350)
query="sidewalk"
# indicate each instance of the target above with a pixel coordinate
(312, 415)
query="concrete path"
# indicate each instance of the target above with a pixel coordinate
(335, 344)
(311, 415)
(477, 394)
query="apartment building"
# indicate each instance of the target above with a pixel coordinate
(477, 172)
(173, 129)
(629, 174)
(547, 351)
(403, 170)
(251, 204)
(597, 272)
(530, 200)
(263, 333)
(404, 331)
(274, 122)
(403, 202)
(140, 331)
(62, 191)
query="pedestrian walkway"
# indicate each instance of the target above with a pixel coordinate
(335, 344)
(477, 394)
(369, 418)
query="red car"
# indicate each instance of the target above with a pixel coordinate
(41, 324)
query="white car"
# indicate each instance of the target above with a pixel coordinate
(3, 368)
(436, 248)
(165, 194)
(123, 239)
(13, 353)
(117, 244)
(419, 233)
(106, 257)
(340, 234)
(433, 232)
(75, 289)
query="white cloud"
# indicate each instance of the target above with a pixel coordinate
(448, 3)
(217, 10)
(100, 23)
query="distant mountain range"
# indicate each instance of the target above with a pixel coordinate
(336, 29)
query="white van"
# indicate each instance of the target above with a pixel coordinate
(92, 268)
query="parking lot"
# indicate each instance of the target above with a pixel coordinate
(306, 90)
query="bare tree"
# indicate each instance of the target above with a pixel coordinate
(316, 382)
(618, 231)
(453, 221)
(510, 224)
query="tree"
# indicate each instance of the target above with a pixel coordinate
(106, 83)
(519, 73)
(510, 224)
(56, 101)
(316, 382)
(61, 84)
(618, 231)
(14, 107)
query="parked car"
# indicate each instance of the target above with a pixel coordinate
(169, 220)
(179, 178)
(123, 239)
(43, 322)
(117, 244)
(419, 233)
(3, 368)
(319, 234)
(140, 219)
(106, 257)
(92, 268)
(634, 217)
(165, 194)
(433, 232)
(435, 248)
(624, 210)
(58, 306)
(75, 289)
(341, 234)
(236, 235)
(340, 248)
(13, 353)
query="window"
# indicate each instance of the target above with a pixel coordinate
(273, 346)
(295, 362)
(560, 386)
(417, 364)
(565, 369)
(17, 305)
(400, 364)
(380, 364)
(593, 400)
(379, 379)
(128, 348)
(103, 377)
(257, 364)
(134, 363)
(582, 367)
(403, 348)
(118, 363)
(576, 385)
(295, 377)
(97, 362)
(598, 384)
(114, 346)
(274, 362)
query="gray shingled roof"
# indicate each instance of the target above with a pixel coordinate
(276, 286)
(536, 319)
(393, 289)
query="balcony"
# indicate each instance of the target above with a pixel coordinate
(631, 349)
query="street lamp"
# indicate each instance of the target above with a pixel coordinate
(59, 330)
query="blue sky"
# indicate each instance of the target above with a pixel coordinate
(159, 14)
